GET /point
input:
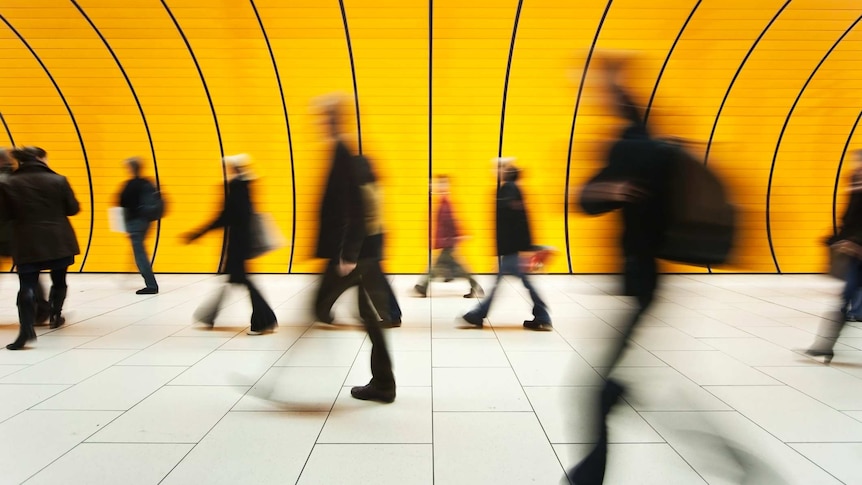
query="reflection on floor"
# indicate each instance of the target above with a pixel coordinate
(132, 391)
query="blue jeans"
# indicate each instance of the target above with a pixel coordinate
(137, 229)
(510, 264)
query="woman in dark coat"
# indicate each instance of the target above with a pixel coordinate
(235, 218)
(39, 201)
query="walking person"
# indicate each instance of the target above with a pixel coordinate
(513, 237)
(849, 242)
(446, 238)
(133, 199)
(235, 218)
(39, 202)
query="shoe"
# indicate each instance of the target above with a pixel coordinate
(475, 293)
(147, 291)
(393, 324)
(421, 290)
(329, 320)
(826, 354)
(473, 320)
(538, 325)
(448, 279)
(271, 329)
(372, 393)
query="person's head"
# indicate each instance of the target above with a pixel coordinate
(857, 156)
(330, 106)
(134, 166)
(511, 173)
(239, 165)
(441, 184)
(5, 160)
(25, 155)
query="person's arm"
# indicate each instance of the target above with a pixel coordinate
(70, 203)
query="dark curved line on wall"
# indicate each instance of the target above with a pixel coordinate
(430, 120)
(8, 131)
(506, 85)
(289, 138)
(140, 110)
(215, 118)
(736, 76)
(781, 138)
(352, 72)
(77, 131)
(572, 132)
(667, 60)
(838, 174)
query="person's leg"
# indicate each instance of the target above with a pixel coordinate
(332, 285)
(460, 271)
(263, 319)
(641, 273)
(137, 234)
(541, 318)
(27, 283)
(57, 295)
(475, 316)
(382, 384)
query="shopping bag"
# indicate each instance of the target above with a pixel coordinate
(264, 237)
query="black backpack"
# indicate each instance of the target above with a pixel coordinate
(152, 206)
(701, 221)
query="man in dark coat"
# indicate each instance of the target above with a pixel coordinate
(132, 200)
(513, 237)
(39, 202)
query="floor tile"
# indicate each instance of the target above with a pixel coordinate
(167, 417)
(407, 420)
(251, 447)
(15, 398)
(468, 353)
(474, 389)
(830, 386)
(553, 369)
(789, 414)
(133, 337)
(317, 352)
(666, 338)
(111, 463)
(33, 439)
(839, 459)
(492, 448)
(410, 368)
(665, 389)
(595, 352)
(70, 367)
(382, 464)
(176, 351)
(295, 389)
(757, 352)
(228, 368)
(714, 368)
(281, 340)
(520, 339)
(116, 388)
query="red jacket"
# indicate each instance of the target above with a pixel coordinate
(447, 229)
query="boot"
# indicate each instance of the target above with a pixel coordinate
(26, 316)
(43, 308)
(56, 298)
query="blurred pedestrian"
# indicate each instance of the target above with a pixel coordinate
(446, 239)
(39, 202)
(513, 237)
(133, 200)
(235, 218)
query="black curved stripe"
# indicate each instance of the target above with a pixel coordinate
(735, 76)
(77, 131)
(215, 118)
(572, 133)
(430, 118)
(287, 125)
(506, 83)
(352, 72)
(781, 137)
(8, 131)
(838, 173)
(667, 59)
(140, 110)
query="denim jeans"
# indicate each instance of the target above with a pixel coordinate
(137, 229)
(510, 264)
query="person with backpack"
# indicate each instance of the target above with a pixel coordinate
(141, 203)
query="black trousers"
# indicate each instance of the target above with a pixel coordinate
(374, 290)
(641, 280)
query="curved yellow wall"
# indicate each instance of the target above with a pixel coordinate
(770, 89)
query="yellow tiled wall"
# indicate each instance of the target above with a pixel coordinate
(769, 89)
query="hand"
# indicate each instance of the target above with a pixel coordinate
(190, 236)
(615, 191)
(345, 267)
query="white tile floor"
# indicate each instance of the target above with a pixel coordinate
(132, 391)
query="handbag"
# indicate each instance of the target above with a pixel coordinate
(264, 235)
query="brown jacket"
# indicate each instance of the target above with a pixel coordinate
(39, 201)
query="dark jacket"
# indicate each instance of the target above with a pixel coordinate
(350, 211)
(513, 228)
(447, 229)
(851, 222)
(39, 201)
(132, 195)
(235, 218)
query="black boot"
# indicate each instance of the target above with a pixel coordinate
(26, 316)
(43, 308)
(56, 298)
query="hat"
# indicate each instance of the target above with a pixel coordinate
(238, 160)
